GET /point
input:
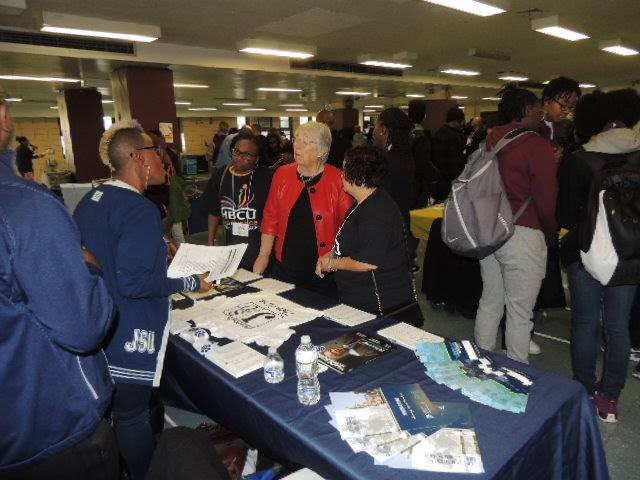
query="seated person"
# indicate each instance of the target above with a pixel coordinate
(237, 194)
(369, 259)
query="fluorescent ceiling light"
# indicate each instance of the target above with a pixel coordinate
(587, 85)
(469, 6)
(189, 85)
(546, 82)
(276, 89)
(493, 99)
(253, 109)
(94, 27)
(183, 103)
(551, 26)
(276, 52)
(461, 107)
(54, 108)
(620, 50)
(202, 109)
(39, 79)
(294, 105)
(459, 97)
(457, 71)
(107, 101)
(235, 104)
(297, 110)
(368, 111)
(404, 106)
(349, 92)
(414, 95)
(378, 63)
(374, 106)
(12, 99)
(617, 46)
(513, 77)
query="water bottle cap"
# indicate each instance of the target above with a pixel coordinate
(305, 339)
(272, 350)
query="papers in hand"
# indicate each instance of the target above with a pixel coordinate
(220, 262)
(408, 336)
(272, 286)
(346, 315)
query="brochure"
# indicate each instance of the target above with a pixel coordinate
(351, 350)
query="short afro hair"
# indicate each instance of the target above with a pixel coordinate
(623, 106)
(560, 87)
(590, 116)
(365, 166)
(455, 114)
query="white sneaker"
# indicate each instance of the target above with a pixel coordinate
(534, 348)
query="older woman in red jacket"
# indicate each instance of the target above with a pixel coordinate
(305, 207)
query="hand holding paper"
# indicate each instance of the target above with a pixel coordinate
(220, 262)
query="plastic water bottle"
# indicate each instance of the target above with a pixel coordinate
(307, 370)
(273, 367)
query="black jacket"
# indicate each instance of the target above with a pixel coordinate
(448, 152)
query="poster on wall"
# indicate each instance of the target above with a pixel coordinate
(166, 129)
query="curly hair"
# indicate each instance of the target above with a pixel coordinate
(116, 143)
(590, 116)
(365, 166)
(623, 106)
(559, 88)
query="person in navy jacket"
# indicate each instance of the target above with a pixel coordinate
(123, 229)
(54, 314)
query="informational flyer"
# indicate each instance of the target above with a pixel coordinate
(220, 262)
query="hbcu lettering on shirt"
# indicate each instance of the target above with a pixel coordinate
(240, 217)
(143, 342)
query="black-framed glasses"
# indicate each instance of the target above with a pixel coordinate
(565, 107)
(152, 147)
(245, 155)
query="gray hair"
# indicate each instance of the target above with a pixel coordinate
(320, 134)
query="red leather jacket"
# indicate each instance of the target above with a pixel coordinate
(329, 203)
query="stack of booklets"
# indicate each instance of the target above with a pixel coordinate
(460, 366)
(400, 427)
(352, 350)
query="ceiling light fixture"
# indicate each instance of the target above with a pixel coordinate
(587, 85)
(12, 99)
(182, 103)
(236, 104)
(513, 77)
(459, 97)
(276, 52)
(253, 109)
(458, 71)
(94, 27)
(277, 89)
(616, 46)
(189, 85)
(294, 105)
(414, 95)
(493, 99)
(374, 106)
(54, 108)
(551, 26)
(39, 79)
(469, 6)
(366, 110)
(297, 110)
(202, 109)
(383, 64)
(277, 49)
(349, 92)
(107, 101)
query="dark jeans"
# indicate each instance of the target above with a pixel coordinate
(591, 300)
(95, 458)
(133, 430)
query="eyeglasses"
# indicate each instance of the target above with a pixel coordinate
(565, 107)
(152, 147)
(245, 155)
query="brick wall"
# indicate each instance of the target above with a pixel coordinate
(45, 134)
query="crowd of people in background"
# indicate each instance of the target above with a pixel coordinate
(328, 211)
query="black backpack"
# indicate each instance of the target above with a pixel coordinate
(610, 236)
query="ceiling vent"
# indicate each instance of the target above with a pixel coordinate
(76, 43)
(345, 67)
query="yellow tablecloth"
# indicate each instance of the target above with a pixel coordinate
(422, 219)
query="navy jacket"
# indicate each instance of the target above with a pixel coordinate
(54, 382)
(124, 231)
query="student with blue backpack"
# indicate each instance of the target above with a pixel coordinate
(512, 273)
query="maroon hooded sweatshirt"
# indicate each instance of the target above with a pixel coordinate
(528, 169)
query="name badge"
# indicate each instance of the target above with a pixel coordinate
(240, 229)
